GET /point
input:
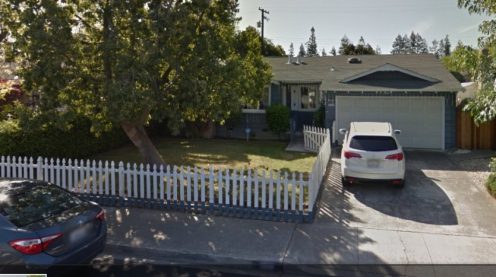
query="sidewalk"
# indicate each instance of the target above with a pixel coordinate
(159, 235)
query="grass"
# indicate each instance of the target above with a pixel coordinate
(220, 153)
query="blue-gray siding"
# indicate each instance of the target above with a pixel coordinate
(275, 94)
(449, 105)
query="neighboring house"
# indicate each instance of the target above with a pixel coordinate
(416, 93)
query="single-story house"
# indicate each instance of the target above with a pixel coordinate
(416, 93)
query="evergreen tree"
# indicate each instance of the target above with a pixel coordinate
(440, 49)
(361, 41)
(312, 44)
(363, 48)
(291, 50)
(414, 43)
(398, 45)
(434, 48)
(422, 47)
(345, 44)
(447, 46)
(407, 48)
(302, 52)
(324, 53)
(333, 51)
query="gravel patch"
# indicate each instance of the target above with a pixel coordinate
(475, 166)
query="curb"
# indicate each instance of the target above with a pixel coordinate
(166, 257)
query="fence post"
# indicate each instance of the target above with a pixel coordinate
(39, 168)
(211, 187)
(121, 178)
(161, 176)
(310, 193)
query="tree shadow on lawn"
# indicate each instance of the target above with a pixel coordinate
(220, 153)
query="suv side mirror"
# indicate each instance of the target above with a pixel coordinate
(342, 131)
(397, 132)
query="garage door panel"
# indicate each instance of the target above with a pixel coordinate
(419, 118)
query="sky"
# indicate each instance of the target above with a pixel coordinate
(378, 21)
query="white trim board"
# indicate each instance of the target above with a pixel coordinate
(390, 67)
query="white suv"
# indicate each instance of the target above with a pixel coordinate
(371, 152)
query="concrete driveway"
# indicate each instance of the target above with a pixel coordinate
(439, 217)
(437, 198)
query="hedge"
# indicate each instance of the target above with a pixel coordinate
(78, 142)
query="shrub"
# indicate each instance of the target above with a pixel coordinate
(278, 117)
(50, 141)
(492, 165)
(491, 184)
(319, 116)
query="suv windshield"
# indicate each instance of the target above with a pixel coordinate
(24, 203)
(373, 143)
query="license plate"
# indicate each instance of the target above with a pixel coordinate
(80, 233)
(373, 164)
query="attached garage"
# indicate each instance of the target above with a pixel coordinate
(416, 93)
(420, 119)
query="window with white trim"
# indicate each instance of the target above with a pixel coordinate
(308, 98)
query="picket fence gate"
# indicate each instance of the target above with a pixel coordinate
(246, 193)
(314, 137)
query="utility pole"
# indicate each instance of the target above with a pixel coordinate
(261, 25)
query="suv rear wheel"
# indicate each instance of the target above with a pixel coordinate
(344, 182)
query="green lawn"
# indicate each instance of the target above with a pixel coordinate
(221, 153)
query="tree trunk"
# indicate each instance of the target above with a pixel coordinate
(137, 134)
(206, 129)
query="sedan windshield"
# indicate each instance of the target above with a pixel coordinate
(24, 204)
(373, 143)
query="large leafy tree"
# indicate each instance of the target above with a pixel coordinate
(482, 63)
(121, 63)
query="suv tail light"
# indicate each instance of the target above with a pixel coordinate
(396, 156)
(33, 246)
(101, 215)
(349, 155)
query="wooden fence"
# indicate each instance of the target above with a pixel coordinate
(314, 137)
(471, 136)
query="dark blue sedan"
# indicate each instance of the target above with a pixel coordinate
(42, 225)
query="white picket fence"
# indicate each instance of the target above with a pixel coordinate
(320, 139)
(188, 186)
(211, 186)
(314, 137)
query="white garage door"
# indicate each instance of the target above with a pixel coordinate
(420, 119)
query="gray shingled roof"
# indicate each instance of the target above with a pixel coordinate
(318, 69)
